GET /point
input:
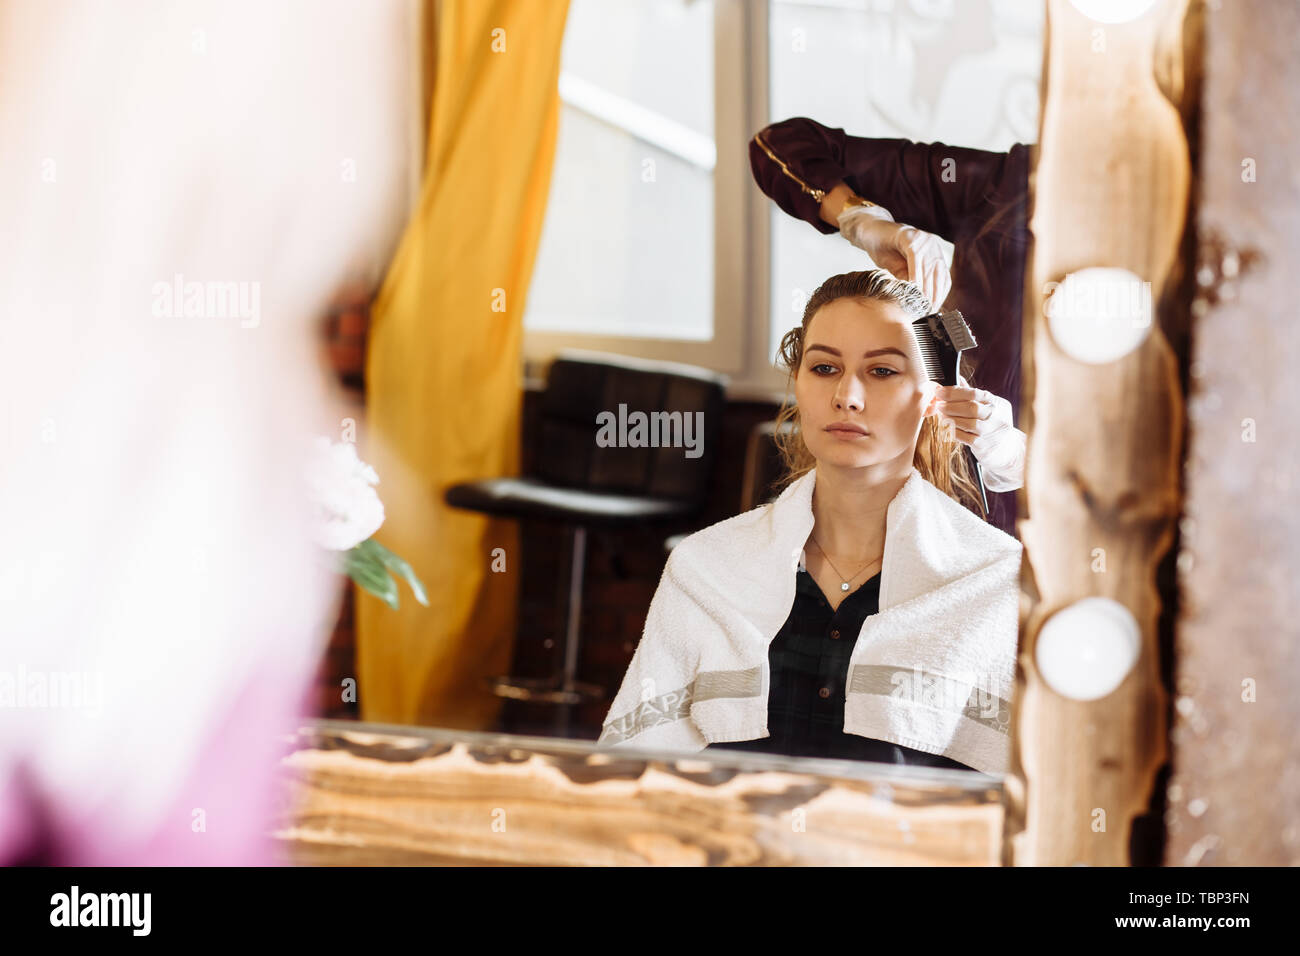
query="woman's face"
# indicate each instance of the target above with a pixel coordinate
(861, 367)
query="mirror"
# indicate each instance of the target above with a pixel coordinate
(681, 226)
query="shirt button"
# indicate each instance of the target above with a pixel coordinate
(835, 634)
(824, 693)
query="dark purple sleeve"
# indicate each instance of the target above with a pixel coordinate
(946, 190)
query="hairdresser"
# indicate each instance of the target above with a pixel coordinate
(893, 199)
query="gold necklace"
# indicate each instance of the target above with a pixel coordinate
(844, 582)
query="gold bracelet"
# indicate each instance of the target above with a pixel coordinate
(854, 200)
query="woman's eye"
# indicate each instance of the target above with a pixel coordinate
(889, 372)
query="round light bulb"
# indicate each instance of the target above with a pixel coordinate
(1085, 651)
(1100, 314)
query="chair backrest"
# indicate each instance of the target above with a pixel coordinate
(602, 415)
(763, 465)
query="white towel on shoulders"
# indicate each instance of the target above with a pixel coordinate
(933, 669)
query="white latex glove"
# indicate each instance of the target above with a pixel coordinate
(902, 250)
(984, 421)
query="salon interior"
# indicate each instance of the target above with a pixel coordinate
(644, 245)
(520, 279)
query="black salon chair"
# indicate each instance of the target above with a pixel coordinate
(580, 484)
(763, 469)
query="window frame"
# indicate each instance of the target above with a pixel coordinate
(741, 304)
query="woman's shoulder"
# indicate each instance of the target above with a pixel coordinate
(968, 527)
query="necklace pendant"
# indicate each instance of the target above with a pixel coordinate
(844, 586)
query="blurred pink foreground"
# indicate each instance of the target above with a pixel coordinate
(162, 607)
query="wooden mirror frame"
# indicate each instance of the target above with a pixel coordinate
(1119, 129)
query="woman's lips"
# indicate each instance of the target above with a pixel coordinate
(845, 433)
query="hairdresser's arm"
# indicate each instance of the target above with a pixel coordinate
(798, 165)
(833, 203)
(942, 189)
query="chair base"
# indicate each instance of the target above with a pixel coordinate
(546, 690)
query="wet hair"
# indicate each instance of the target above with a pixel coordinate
(941, 460)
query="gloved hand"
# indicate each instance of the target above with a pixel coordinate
(902, 250)
(982, 420)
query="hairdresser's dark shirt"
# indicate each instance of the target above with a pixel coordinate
(950, 191)
(809, 663)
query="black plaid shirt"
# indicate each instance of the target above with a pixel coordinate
(809, 663)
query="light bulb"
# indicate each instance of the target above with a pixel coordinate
(1085, 651)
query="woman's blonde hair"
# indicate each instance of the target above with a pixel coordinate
(941, 460)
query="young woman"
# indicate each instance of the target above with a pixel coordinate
(867, 612)
(893, 198)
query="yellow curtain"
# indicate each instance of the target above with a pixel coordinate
(443, 370)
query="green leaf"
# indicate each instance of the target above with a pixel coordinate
(384, 588)
(364, 559)
(372, 548)
(371, 575)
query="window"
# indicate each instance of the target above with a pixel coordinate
(629, 258)
(627, 247)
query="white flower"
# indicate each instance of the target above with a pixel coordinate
(347, 509)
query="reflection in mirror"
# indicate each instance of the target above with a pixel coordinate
(814, 557)
(926, 110)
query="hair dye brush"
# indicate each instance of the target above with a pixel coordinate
(942, 337)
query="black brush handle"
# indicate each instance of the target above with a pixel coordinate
(979, 477)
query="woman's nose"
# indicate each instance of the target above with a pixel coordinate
(848, 395)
